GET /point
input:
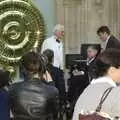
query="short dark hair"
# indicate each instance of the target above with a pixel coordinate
(103, 29)
(31, 62)
(49, 54)
(108, 58)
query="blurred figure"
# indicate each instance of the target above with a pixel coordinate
(56, 74)
(4, 95)
(55, 43)
(34, 99)
(108, 63)
(92, 53)
(76, 84)
(25, 75)
(109, 41)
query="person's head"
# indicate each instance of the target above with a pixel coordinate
(103, 32)
(92, 51)
(4, 77)
(31, 62)
(59, 31)
(108, 63)
(50, 55)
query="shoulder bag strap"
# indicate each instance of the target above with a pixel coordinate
(104, 96)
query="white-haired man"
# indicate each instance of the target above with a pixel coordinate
(56, 45)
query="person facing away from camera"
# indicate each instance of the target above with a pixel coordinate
(108, 64)
(33, 99)
(57, 75)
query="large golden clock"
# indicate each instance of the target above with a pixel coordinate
(21, 29)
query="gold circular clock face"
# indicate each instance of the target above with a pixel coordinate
(21, 29)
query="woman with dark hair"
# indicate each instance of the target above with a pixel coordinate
(108, 73)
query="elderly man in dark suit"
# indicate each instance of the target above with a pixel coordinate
(109, 40)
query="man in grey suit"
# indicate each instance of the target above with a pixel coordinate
(109, 41)
(108, 63)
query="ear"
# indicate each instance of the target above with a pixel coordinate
(111, 70)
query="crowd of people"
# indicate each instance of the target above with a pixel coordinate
(42, 95)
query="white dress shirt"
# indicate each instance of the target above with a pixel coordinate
(57, 48)
(104, 44)
(90, 60)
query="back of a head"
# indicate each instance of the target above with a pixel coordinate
(103, 29)
(31, 62)
(49, 54)
(108, 58)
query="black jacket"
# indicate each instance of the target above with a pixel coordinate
(113, 43)
(58, 78)
(92, 69)
(34, 100)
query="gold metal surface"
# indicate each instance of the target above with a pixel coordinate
(21, 29)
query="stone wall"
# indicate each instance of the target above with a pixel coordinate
(82, 18)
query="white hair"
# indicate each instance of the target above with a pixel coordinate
(58, 27)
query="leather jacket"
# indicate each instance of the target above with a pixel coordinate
(34, 100)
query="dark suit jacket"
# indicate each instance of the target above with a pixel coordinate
(92, 69)
(113, 43)
(77, 83)
(58, 78)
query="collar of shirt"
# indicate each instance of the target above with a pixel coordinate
(107, 40)
(90, 60)
(104, 79)
(104, 44)
(55, 37)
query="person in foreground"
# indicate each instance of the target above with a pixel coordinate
(34, 99)
(108, 64)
